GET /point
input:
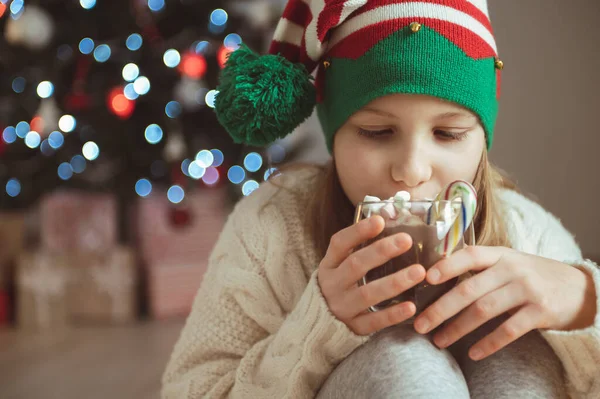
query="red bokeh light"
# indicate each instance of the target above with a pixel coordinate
(120, 105)
(192, 65)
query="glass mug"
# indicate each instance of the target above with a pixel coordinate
(427, 248)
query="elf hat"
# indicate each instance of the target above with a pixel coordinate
(362, 50)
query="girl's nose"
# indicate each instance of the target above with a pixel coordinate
(411, 167)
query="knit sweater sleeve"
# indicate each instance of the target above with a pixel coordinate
(259, 326)
(578, 350)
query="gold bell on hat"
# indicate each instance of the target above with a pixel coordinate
(326, 64)
(415, 27)
(498, 63)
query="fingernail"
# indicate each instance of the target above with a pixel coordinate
(476, 354)
(422, 325)
(434, 275)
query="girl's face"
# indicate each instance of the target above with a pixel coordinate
(407, 142)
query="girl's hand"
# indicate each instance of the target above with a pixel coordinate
(537, 292)
(341, 269)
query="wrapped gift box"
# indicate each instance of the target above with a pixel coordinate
(41, 283)
(175, 243)
(172, 288)
(77, 221)
(103, 286)
(180, 234)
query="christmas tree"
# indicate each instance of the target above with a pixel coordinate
(118, 96)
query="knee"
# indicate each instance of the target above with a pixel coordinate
(394, 361)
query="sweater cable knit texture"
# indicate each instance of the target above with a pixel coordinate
(260, 327)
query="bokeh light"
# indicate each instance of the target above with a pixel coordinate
(205, 158)
(32, 139)
(45, 89)
(22, 129)
(65, 171)
(134, 42)
(56, 139)
(253, 162)
(9, 135)
(153, 134)
(18, 84)
(87, 4)
(249, 187)
(196, 170)
(185, 166)
(269, 172)
(173, 109)
(171, 58)
(143, 187)
(175, 194)
(78, 164)
(13, 187)
(218, 157)
(210, 98)
(211, 176)
(86, 45)
(141, 85)
(90, 150)
(102, 53)
(218, 17)
(236, 174)
(156, 5)
(67, 123)
(130, 72)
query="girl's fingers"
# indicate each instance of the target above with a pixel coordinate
(461, 296)
(361, 298)
(344, 241)
(369, 323)
(484, 309)
(360, 262)
(525, 320)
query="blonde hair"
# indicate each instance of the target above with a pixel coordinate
(330, 210)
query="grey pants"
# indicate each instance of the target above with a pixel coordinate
(400, 363)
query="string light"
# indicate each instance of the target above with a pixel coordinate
(153, 134)
(175, 194)
(253, 162)
(143, 187)
(32, 139)
(130, 72)
(171, 58)
(13, 187)
(18, 84)
(56, 140)
(90, 150)
(134, 42)
(45, 89)
(249, 187)
(86, 45)
(236, 174)
(67, 123)
(9, 135)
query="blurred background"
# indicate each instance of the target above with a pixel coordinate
(116, 179)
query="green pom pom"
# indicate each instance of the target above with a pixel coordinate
(263, 98)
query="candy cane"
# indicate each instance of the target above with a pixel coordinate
(466, 192)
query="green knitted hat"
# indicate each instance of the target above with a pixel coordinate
(362, 50)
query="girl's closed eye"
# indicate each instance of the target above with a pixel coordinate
(374, 133)
(450, 136)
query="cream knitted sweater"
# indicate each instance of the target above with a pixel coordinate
(260, 328)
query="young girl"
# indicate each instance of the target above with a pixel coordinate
(406, 92)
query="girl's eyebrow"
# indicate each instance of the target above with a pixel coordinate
(378, 112)
(452, 114)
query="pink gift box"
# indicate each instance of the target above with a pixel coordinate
(172, 288)
(161, 241)
(75, 221)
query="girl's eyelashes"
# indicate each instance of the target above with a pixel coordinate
(450, 136)
(374, 133)
(442, 134)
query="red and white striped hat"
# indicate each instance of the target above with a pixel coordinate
(362, 49)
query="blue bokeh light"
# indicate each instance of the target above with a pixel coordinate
(65, 171)
(173, 109)
(218, 157)
(102, 53)
(18, 84)
(253, 162)
(78, 164)
(249, 187)
(130, 72)
(143, 187)
(86, 45)
(175, 194)
(90, 150)
(56, 139)
(134, 42)
(153, 134)
(9, 135)
(236, 174)
(13, 187)
(22, 129)
(171, 58)
(33, 139)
